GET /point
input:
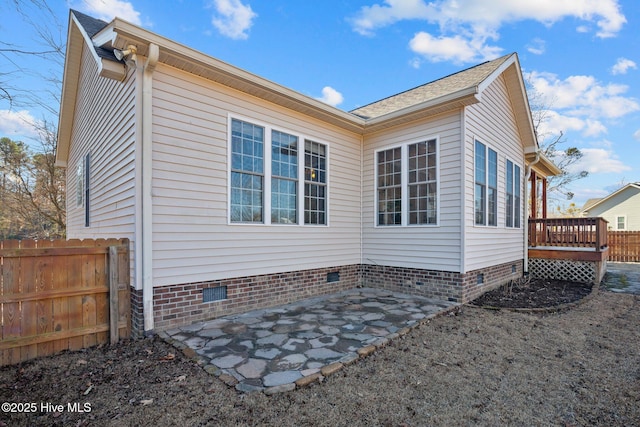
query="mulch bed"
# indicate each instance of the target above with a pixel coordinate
(534, 294)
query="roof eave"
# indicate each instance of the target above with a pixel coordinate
(181, 56)
(76, 38)
(448, 102)
(544, 166)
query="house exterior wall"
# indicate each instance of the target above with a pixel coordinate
(626, 203)
(492, 122)
(430, 247)
(193, 239)
(103, 127)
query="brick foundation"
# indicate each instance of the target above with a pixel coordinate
(178, 305)
(442, 285)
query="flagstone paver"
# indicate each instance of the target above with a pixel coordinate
(273, 350)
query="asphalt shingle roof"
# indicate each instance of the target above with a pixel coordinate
(464, 79)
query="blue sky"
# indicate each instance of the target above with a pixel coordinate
(582, 57)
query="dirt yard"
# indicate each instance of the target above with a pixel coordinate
(576, 367)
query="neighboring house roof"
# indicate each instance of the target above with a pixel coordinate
(595, 202)
(452, 92)
(590, 202)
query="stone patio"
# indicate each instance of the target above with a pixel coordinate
(285, 347)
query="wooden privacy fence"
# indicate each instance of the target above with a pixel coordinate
(624, 246)
(62, 294)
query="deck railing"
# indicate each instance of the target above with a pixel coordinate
(568, 232)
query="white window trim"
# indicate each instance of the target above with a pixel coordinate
(625, 223)
(404, 183)
(486, 202)
(514, 163)
(266, 185)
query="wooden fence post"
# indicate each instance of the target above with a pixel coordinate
(113, 295)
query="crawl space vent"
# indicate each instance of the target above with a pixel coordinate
(214, 294)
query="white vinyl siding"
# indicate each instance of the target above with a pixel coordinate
(625, 204)
(492, 121)
(435, 247)
(193, 239)
(104, 125)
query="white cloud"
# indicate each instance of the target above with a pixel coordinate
(373, 17)
(17, 124)
(599, 160)
(537, 46)
(583, 96)
(466, 26)
(622, 66)
(331, 96)
(233, 19)
(457, 49)
(482, 15)
(109, 9)
(636, 135)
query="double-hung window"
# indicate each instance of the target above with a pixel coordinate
(315, 183)
(407, 184)
(284, 178)
(247, 172)
(486, 185)
(83, 175)
(271, 181)
(513, 200)
(390, 187)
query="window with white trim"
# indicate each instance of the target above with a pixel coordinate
(513, 199)
(247, 172)
(284, 178)
(270, 181)
(621, 222)
(80, 184)
(315, 183)
(83, 174)
(486, 185)
(407, 184)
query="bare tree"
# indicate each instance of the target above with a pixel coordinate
(33, 189)
(550, 144)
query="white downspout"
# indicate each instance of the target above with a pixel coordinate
(147, 199)
(526, 212)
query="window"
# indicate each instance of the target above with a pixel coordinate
(82, 186)
(486, 187)
(621, 222)
(247, 172)
(315, 183)
(270, 181)
(390, 187)
(284, 178)
(407, 184)
(422, 183)
(513, 195)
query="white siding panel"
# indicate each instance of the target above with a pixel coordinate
(492, 122)
(428, 247)
(626, 203)
(104, 126)
(192, 239)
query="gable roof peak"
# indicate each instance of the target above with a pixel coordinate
(468, 78)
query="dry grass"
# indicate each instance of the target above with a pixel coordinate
(479, 367)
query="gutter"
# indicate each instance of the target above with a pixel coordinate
(147, 199)
(526, 212)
